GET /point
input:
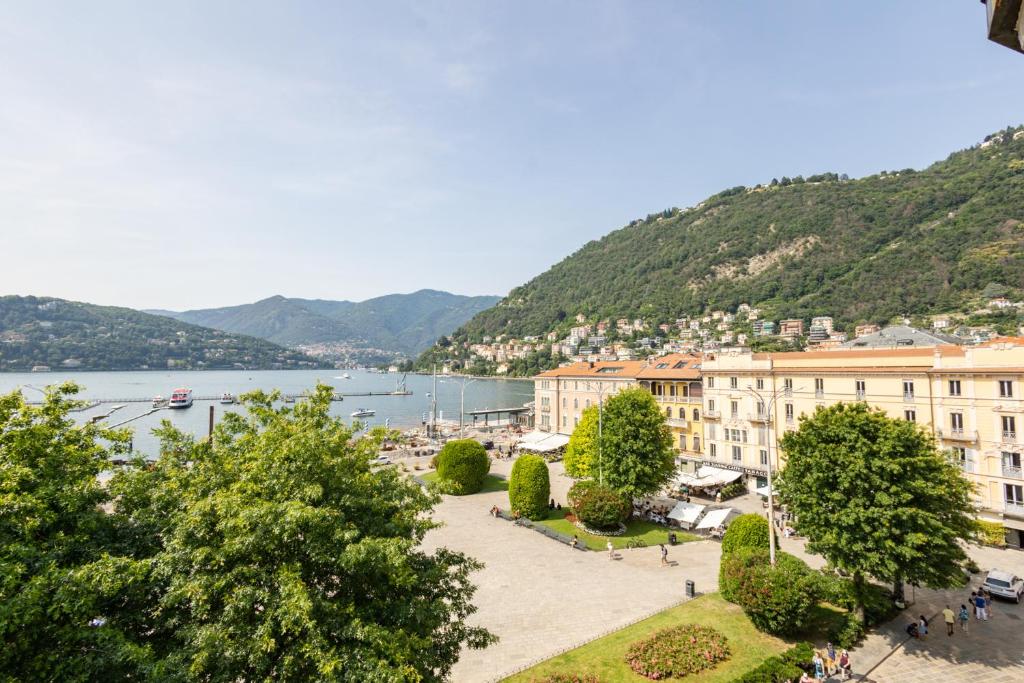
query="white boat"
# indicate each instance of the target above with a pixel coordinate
(346, 376)
(159, 401)
(364, 412)
(227, 399)
(180, 398)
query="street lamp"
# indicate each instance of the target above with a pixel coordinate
(600, 421)
(771, 493)
(462, 406)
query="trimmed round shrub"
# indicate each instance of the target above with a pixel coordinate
(462, 466)
(577, 490)
(777, 599)
(677, 652)
(529, 487)
(600, 507)
(746, 531)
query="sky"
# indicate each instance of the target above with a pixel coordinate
(195, 154)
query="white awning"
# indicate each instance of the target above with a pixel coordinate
(686, 512)
(708, 476)
(715, 518)
(764, 491)
(542, 442)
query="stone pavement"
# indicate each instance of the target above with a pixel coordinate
(542, 598)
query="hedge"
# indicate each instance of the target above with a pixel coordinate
(778, 599)
(991, 533)
(462, 466)
(529, 487)
(600, 507)
(784, 668)
(746, 531)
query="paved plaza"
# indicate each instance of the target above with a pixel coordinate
(542, 598)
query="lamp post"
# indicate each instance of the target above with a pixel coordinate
(771, 503)
(600, 422)
(462, 408)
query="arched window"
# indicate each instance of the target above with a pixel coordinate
(668, 412)
(696, 414)
(575, 404)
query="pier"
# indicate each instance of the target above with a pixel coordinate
(93, 402)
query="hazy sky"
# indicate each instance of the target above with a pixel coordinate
(185, 155)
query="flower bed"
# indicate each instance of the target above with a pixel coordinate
(601, 532)
(677, 652)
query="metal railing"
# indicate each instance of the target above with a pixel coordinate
(908, 396)
(676, 422)
(758, 417)
(1009, 436)
(1013, 472)
(958, 434)
(712, 415)
(1013, 508)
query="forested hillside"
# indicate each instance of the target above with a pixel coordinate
(858, 250)
(396, 323)
(72, 335)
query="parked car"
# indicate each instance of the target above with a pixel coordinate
(382, 460)
(1004, 585)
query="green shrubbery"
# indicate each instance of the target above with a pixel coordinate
(529, 487)
(462, 466)
(598, 506)
(678, 651)
(733, 489)
(784, 668)
(991, 533)
(746, 531)
(777, 599)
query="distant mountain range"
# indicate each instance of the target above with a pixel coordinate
(384, 327)
(60, 334)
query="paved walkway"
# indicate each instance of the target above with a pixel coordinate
(541, 598)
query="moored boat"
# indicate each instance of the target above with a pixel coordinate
(180, 398)
(227, 399)
(364, 412)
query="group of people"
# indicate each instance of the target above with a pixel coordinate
(980, 603)
(652, 513)
(827, 663)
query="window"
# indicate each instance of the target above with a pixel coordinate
(711, 404)
(819, 387)
(682, 442)
(910, 415)
(696, 414)
(734, 408)
(734, 382)
(789, 412)
(1005, 388)
(668, 412)
(954, 387)
(588, 402)
(1014, 494)
(711, 382)
(671, 389)
(565, 421)
(908, 390)
(576, 421)
(860, 387)
(760, 383)
(956, 422)
(565, 402)
(545, 420)
(737, 454)
(575, 404)
(762, 436)
(1011, 464)
(787, 386)
(960, 458)
(712, 431)
(761, 410)
(1009, 426)
(713, 450)
(764, 457)
(696, 442)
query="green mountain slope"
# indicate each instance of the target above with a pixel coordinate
(54, 332)
(858, 250)
(398, 323)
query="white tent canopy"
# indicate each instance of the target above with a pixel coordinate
(715, 518)
(541, 442)
(708, 476)
(765, 490)
(686, 513)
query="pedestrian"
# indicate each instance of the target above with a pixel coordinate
(574, 542)
(988, 602)
(965, 617)
(922, 626)
(845, 669)
(830, 659)
(980, 607)
(970, 602)
(819, 666)
(611, 550)
(950, 619)
(664, 554)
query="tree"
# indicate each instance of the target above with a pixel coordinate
(636, 444)
(581, 451)
(529, 486)
(67, 593)
(778, 599)
(874, 496)
(462, 466)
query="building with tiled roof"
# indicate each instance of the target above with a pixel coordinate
(675, 382)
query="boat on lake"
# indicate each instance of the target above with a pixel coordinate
(364, 412)
(159, 401)
(227, 399)
(180, 398)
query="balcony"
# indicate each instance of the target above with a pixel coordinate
(819, 393)
(761, 418)
(966, 435)
(1013, 509)
(545, 409)
(908, 397)
(676, 422)
(966, 466)
(861, 395)
(1010, 437)
(712, 415)
(1012, 472)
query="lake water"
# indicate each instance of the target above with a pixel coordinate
(398, 411)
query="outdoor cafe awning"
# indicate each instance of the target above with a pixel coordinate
(687, 513)
(541, 442)
(764, 490)
(715, 518)
(708, 476)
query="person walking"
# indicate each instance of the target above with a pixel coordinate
(664, 555)
(611, 550)
(845, 669)
(819, 666)
(922, 626)
(980, 607)
(574, 542)
(965, 617)
(950, 619)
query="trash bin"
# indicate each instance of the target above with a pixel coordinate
(690, 591)
(672, 540)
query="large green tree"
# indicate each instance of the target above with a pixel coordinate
(581, 451)
(636, 455)
(874, 496)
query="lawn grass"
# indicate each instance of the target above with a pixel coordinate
(492, 483)
(605, 657)
(636, 530)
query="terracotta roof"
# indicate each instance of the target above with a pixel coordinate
(605, 368)
(924, 353)
(1015, 341)
(676, 366)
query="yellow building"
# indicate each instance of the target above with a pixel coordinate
(675, 382)
(561, 395)
(970, 398)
